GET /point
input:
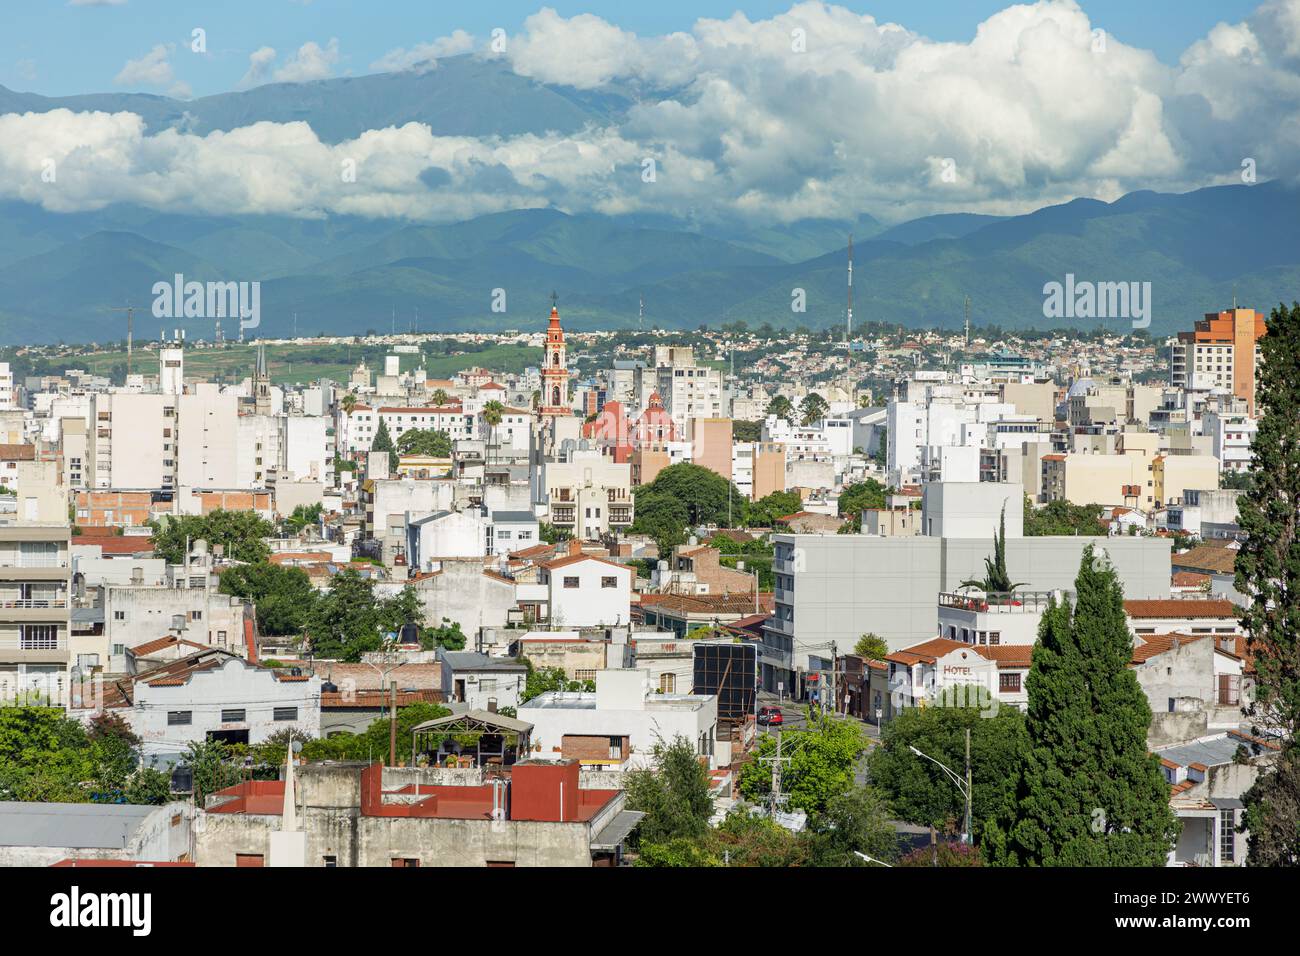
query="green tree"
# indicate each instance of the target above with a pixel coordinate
(447, 635)
(921, 793)
(283, 596)
(871, 647)
(680, 852)
(1062, 518)
(748, 839)
(781, 407)
(746, 431)
(859, 497)
(384, 442)
(1272, 808)
(241, 535)
(210, 763)
(683, 496)
(673, 795)
(303, 516)
(114, 752)
(429, 442)
(764, 512)
(149, 786)
(347, 621)
(1268, 573)
(551, 534)
(821, 763)
(995, 580)
(812, 409)
(493, 413)
(1090, 793)
(854, 822)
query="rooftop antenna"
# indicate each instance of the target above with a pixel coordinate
(967, 322)
(295, 325)
(848, 320)
(130, 328)
(218, 335)
(640, 315)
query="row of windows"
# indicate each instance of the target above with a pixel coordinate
(234, 715)
(605, 582)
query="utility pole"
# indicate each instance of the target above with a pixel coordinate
(130, 330)
(835, 663)
(776, 797)
(392, 729)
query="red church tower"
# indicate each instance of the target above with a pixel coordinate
(555, 371)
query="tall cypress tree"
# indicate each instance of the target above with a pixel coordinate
(1268, 573)
(384, 442)
(1090, 793)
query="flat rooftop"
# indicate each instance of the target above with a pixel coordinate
(86, 825)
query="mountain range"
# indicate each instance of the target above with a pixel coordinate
(60, 273)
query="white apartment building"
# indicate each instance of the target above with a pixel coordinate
(688, 390)
(588, 494)
(306, 448)
(133, 441)
(1231, 431)
(586, 591)
(208, 438)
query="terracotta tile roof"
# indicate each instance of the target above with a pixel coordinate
(575, 558)
(536, 551)
(160, 644)
(378, 699)
(1155, 644)
(1206, 557)
(113, 543)
(927, 651)
(1008, 656)
(1189, 579)
(742, 604)
(1182, 608)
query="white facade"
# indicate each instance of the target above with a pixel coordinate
(625, 704)
(234, 698)
(208, 438)
(133, 443)
(588, 592)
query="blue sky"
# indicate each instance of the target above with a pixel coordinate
(57, 48)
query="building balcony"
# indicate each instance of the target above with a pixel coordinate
(999, 602)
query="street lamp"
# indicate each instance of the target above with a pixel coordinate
(962, 785)
(872, 859)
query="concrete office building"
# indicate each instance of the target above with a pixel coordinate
(832, 589)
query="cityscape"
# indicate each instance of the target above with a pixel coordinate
(600, 482)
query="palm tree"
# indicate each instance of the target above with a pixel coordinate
(440, 398)
(781, 407)
(996, 580)
(492, 414)
(813, 408)
(349, 402)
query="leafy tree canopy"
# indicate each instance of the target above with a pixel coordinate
(240, 533)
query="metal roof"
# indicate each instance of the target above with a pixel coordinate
(616, 831)
(81, 825)
(1211, 751)
(481, 716)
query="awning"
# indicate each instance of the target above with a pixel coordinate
(613, 834)
(1227, 803)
